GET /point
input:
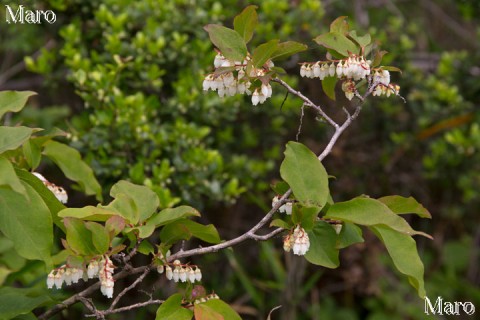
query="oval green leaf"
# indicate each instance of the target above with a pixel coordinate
(287, 49)
(338, 42)
(402, 205)
(13, 101)
(145, 199)
(263, 52)
(403, 251)
(228, 41)
(184, 229)
(13, 137)
(305, 174)
(370, 212)
(27, 223)
(245, 22)
(323, 251)
(172, 309)
(72, 165)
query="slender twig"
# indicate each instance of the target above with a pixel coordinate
(307, 102)
(268, 235)
(127, 308)
(130, 287)
(301, 123)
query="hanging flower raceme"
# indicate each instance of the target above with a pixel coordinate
(63, 274)
(298, 241)
(105, 274)
(354, 67)
(232, 79)
(183, 273)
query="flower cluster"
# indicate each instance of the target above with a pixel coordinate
(386, 90)
(181, 272)
(206, 298)
(232, 80)
(103, 269)
(298, 241)
(285, 208)
(63, 274)
(59, 192)
(353, 67)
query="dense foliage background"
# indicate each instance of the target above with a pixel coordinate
(124, 79)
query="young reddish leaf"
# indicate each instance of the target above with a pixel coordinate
(114, 225)
(263, 52)
(328, 86)
(340, 25)
(228, 41)
(245, 22)
(362, 41)
(402, 205)
(403, 251)
(287, 49)
(323, 251)
(215, 309)
(337, 42)
(378, 58)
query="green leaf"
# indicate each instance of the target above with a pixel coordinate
(287, 49)
(402, 205)
(169, 215)
(124, 206)
(340, 25)
(215, 309)
(370, 212)
(100, 236)
(13, 137)
(337, 42)
(184, 229)
(349, 235)
(391, 68)
(362, 41)
(305, 216)
(280, 223)
(16, 301)
(72, 165)
(228, 41)
(263, 52)
(142, 232)
(403, 251)
(9, 178)
(378, 58)
(53, 204)
(280, 187)
(115, 225)
(328, 86)
(146, 248)
(87, 213)
(172, 309)
(13, 101)
(245, 23)
(323, 251)
(305, 174)
(79, 238)
(32, 154)
(145, 199)
(27, 223)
